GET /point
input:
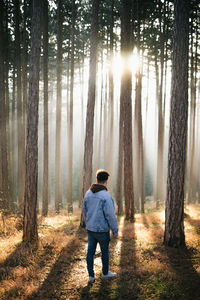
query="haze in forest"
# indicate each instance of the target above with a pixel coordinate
(115, 85)
(149, 128)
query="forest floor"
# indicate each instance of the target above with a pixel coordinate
(57, 269)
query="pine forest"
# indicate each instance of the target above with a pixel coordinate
(89, 85)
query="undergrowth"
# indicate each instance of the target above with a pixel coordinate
(57, 269)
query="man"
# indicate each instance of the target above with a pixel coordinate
(99, 215)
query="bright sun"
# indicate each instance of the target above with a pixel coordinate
(134, 63)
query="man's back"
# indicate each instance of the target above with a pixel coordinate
(99, 212)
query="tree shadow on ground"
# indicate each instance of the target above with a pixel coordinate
(185, 281)
(23, 256)
(182, 263)
(16, 258)
(60, 271)
(127, 283)
(151, 221)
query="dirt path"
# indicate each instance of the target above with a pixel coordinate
(68, 279)
(146, 269)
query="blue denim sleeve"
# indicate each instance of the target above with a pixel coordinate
(109, 213)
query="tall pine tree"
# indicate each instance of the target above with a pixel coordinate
(30, 233)
(174, 215)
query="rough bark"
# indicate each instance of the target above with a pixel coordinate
(160, 143)
(23, 104)
(7, 96)
(82, 130)
(70, 135)
(19, 107)
(174, 215)
(119, 195)
(139, 157)
(3, 135)
(192, 118)
(126, 90)
(139, 163)
(58, 188)
(88, 153)
(91, 99)
(30, 233)
(111, 89)
(99, 144)
(45, 191)
(13, 139)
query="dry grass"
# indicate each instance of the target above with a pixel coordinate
(57, 269)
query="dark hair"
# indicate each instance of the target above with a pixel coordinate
(102, 175)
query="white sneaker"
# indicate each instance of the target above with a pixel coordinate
(109, 275)
(91, 279)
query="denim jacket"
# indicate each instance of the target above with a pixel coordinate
(99, 212)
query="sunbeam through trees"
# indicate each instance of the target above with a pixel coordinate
(88, 85)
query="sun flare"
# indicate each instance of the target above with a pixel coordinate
(134, 64)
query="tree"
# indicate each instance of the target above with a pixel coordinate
(88, 153)
(139, 149)
(193, 95)
(58, 193)
(46, 125)
(120, 160)
(125, 97)
(174, 223)
(70, 135)
(23, 104)
(3, 135)
(30, 233)
(161, 109)
(19, 106)
(111, 85)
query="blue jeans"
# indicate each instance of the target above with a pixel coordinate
(103, 238)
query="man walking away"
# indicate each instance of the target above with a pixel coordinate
(99, 215)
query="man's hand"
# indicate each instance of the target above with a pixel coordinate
(115, 235)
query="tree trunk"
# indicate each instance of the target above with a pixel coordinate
(99, 147)
(139, 157)
(126, 90)
(91, 99)
(192, 116)
(138, 125)
(70, 137)
(23, 104)
(160, 143)
(13, 140)
(3, 134)
(111, 90)
(87, 169)
(105, 123)
(19, 107)
(82, 130)
(174, 214)
(45, 192)
(7, 97)
(30, 233)
(119, 195)
(58, 188)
